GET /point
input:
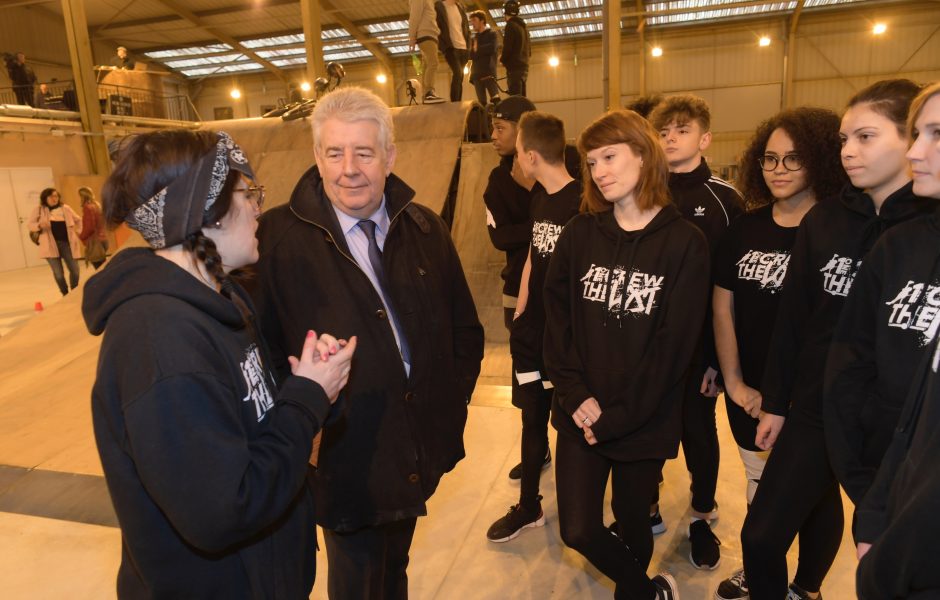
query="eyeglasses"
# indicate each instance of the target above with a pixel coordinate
(791, 162)
(254, 193)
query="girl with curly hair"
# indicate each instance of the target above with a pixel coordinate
(790, 164)
(799, 491)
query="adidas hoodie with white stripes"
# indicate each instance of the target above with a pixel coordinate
(710, 203)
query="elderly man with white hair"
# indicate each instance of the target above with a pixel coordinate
(353, 248)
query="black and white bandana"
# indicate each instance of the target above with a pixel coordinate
(169, 216)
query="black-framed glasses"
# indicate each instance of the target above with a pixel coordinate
(791, 162)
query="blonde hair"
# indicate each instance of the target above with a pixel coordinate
(87, 195)
(917, 105)
(352, 104)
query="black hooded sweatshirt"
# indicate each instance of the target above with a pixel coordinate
(888, 321)
(899, 513)
(831, 242)
(625, 313)
(205, 463)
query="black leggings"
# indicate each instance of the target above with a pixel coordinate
(798, 493)
(581, 479)
(700, 446)
(536, 403)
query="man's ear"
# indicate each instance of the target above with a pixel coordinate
(390, 154)
(705, 142)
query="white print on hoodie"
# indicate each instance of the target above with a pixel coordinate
(917, 307)
(839, 274)
(635, 294)
(544, 236)
(258, 391)
(766, 268)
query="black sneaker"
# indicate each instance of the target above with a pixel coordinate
(794, 592)
(704, 553)
(432, 98)
(515, 473)
(513, 523)
(733, 588)
(656, 523)
(666, 587)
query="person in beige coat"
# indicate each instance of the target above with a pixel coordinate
(423, 32)
(59, 230)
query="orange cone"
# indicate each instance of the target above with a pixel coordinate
(38, 307)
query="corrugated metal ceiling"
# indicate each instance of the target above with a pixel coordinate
(152, 28)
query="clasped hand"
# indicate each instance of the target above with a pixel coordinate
(325, 360)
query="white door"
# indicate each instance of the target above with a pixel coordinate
(19, 195)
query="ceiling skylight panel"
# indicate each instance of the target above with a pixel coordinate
(386, 27)
(205, 60)
(189, 51)
(280, 40)
(347, 55)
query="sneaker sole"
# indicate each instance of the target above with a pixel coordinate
(720, 597)
(705, 567)
(658, 529)
(672, 582)
(537, 523)
(441, 101)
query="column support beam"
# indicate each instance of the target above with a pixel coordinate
(611, 54)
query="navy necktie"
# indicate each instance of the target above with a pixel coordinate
(375, 259)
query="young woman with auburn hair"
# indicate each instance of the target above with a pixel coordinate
(620, 336)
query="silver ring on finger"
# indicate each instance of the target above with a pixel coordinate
(585, 420)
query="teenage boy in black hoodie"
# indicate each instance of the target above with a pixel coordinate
(709, 203)
(508, 198)
(540, 153)
(798, 486)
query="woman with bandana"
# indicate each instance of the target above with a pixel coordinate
(204, 458)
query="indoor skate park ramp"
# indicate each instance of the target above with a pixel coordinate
(48, 365)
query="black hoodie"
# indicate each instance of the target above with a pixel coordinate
(204, 463)
(888, 321)
(624, 311)
(831, 242)
(899, 513)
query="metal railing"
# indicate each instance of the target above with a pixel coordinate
(113, 99)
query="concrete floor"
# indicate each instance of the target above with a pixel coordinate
(58, 540)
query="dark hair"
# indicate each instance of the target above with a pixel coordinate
(681, 109)
(644, 105)
(815, 136)
(890, 98)
(626, 127)
(478, 14)
(44, 196)
(543, 133)
(150, 162)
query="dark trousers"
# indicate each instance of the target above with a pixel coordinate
(581, 476)
(699, 445)
(24, 95)
(798, 493)
(456, 60)
(536, 404)
(484, 85)
(370, 563)
(65, 254)
(515, 80)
